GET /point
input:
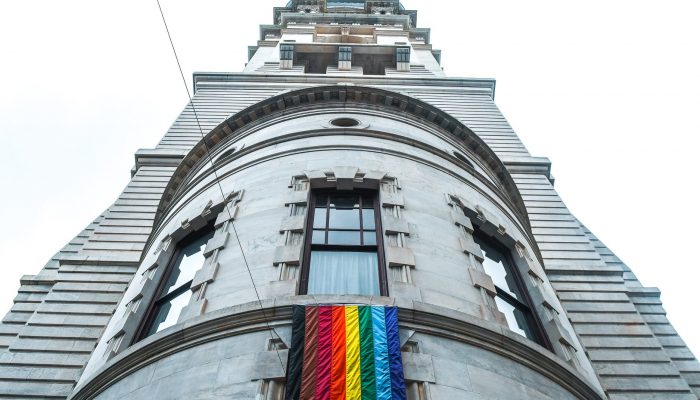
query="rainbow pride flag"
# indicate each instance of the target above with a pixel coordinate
(345, 353)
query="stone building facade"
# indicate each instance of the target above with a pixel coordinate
(340, 167)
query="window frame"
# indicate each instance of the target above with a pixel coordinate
(403, 54)
(286, 51)
(526, 306)
(345, 53)
(309, 246)
(159, 297)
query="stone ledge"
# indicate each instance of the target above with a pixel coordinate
(268, 314)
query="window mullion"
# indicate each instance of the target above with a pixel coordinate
(175, 293)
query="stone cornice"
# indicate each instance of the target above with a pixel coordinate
(257, 317)
(486, 85)
(343, 94)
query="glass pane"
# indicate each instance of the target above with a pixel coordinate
(190, 259)
(345, 202)
(497, 265)
(344, 237)
(518, 321)
(321, 200)
(319, 237)
(368, 219)
(370, 238)
(343, 272)
(344, 219)
(320, 218)
(367, 202)
(168, 313)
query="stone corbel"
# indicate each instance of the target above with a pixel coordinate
(298, 197)
(391, 199)
(290, 254)
(344, 178)
(294, 223)
(556, 330)
(394, 225)
(397, 256)
(418, 367)
(461, 220)
(482, 280)
(468, 246)
(267, 364)
(217, 242)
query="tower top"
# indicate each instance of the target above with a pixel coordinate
(349, 8)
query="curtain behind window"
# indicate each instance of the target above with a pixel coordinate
(343, 272)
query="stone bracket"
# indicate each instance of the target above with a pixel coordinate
(345, 178)
(205, 275)
(397, 256)
(468, 246)
(389, 199)
(224, 216)
(290, 254)
(300, 197)
(294, 223)
(218, 242)
(394, 225)
(460, 219)
(482, 280)
(267, 364)
(418, 367)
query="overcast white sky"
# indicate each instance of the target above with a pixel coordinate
(608, 90)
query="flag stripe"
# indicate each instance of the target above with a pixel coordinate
(369, 387)
(398, 387)
(294, 366)
(381, 354)
(353, 386)
(308, 374)
(338, 354)
(345, 353)
(325, 344)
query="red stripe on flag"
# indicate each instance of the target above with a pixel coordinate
(325, 345)
(338, 354)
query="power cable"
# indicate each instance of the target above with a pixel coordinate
(218, 182)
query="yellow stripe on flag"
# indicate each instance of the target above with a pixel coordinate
(353, 384)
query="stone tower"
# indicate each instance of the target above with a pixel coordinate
(341, 169)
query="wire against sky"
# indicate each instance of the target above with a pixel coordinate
(218, 183)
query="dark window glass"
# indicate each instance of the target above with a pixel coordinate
(403, 54)
(342, 254)
(286, 52)
(345, 53)
(511, 299)
(174, 294)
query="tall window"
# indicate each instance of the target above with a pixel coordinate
(345, 53)
(343, 245)
(174, 293)
(511, 298)
(286, 52)
(403, 54)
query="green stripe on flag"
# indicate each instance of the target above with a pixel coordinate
(367, 369)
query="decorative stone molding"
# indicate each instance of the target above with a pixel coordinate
(288, 256)
(361, 97)
(564, 344)
(135, 309)
(207, 273)
(479, 278)
(424, 318)
(399, 256)
(482, 280)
